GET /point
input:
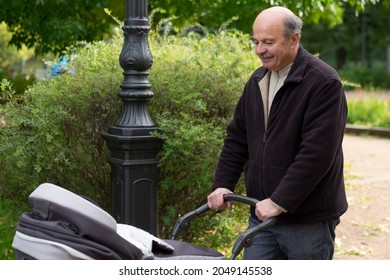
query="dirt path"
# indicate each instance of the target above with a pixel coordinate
(364, 230)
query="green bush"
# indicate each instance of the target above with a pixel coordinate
(369, 111)
(368, 78)
(196, 82)
(53, 134)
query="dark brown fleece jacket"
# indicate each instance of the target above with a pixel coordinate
(298, 160)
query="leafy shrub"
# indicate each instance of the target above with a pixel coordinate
(54, 133)
(369, 111)
(202, 76)
(196, 82)
(368, 78)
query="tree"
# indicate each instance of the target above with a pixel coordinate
(362, 38)
(53, 25)
(8, 56)
(213, 13)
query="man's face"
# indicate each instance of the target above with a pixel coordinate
(274, 50)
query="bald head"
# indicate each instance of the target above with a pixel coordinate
(280, 15)
(276, 33)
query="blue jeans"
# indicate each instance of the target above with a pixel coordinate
(293, 241)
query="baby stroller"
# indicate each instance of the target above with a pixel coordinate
(66, 226)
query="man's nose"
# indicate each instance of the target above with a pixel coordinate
(260, 49)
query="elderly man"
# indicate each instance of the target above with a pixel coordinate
(286, 137)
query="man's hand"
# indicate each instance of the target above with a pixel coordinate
(215, 199)
(266, 209)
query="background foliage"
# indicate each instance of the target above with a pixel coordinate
(347, 34)
(52, 134)
(193, 107)
(213, 13)
(11, 59)
(54, 25)
(369, 111)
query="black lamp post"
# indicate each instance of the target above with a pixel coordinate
(134, 171)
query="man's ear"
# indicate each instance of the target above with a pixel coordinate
(295, 39)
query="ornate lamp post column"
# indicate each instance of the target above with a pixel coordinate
(134, 171)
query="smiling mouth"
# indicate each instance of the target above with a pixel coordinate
(265, 57)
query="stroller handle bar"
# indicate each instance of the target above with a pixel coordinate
(184, 222)
(240, 198)
(246, 238)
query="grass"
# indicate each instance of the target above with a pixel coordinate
(8, 220)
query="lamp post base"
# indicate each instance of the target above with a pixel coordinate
(134, 179)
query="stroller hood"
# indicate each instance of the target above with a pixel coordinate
(60, 215)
